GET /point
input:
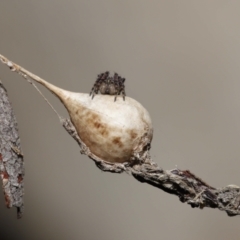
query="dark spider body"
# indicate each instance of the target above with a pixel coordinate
(109, 85)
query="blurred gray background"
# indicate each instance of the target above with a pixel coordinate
(181, 60)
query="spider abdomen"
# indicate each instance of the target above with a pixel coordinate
(103, 88)
(112, 89)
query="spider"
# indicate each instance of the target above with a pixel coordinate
(109, 85)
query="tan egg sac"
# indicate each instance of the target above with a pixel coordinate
(113, 131)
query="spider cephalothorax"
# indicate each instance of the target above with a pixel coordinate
(109, 85)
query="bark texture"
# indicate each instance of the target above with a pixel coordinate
(11, 157)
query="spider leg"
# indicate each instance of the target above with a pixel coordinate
(95, 92)
(101, 77)
(116, 84)
(95, 85)
(123, 92)
(92, 90)
(122, 87)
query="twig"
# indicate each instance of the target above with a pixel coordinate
(182, 183)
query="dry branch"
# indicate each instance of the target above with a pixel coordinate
(182, 183)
